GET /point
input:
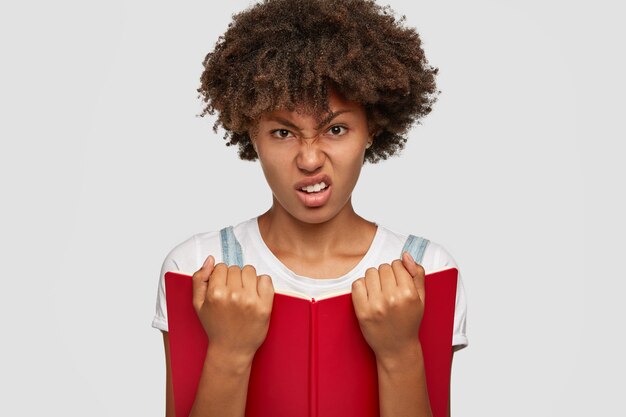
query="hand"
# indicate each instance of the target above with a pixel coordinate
(389, 304)
(234, 306)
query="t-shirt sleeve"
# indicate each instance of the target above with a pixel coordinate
(160, 316)
(459, 335)
(186, 257)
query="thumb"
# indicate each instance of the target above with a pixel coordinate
(417, 272)
(201, 281)
(410, 264)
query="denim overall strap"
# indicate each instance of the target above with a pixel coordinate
(416, 246)
(231, 249)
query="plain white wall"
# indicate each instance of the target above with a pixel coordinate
(517, 172)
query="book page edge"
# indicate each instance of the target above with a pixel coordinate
(331, 294)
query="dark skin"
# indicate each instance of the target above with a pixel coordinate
(234, 304)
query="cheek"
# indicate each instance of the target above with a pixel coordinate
(351, 161)
(275, 174)
(352, 171)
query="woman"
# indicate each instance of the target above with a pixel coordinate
(312, 89)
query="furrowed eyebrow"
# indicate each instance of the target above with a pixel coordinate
(330, 117)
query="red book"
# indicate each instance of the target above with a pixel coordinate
(314, 361)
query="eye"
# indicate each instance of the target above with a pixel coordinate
(281, 132)
(337, 130)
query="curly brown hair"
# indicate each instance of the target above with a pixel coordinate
(286, 54)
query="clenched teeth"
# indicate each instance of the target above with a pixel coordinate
(314, 188)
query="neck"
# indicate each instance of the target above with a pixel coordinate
(342, 233)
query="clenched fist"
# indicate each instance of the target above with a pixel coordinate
(234, 305)
(389, 304)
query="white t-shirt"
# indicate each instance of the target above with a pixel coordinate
(188, 257)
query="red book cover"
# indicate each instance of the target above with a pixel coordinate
(314, 361)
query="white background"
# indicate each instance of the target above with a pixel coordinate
(517, 172)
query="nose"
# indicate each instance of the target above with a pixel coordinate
(310, 155)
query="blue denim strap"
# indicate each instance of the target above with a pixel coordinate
(416, 246)
(231, 249)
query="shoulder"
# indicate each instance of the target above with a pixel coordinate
(208, 243)
(435, 253)
(185, 255)
(189, 255)
(439, 256)
(180, 256)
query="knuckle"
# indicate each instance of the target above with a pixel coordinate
(396, 262)
(266, 278)
(249, 268)
(370, 270)
(384, 266)
(233, 268)
(234, 296)
(409, 295)
(251, 301)
(219, 268)
(217, 294)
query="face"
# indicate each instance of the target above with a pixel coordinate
(294, 149)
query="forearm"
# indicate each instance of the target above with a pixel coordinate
(402, 385)
(223, 387)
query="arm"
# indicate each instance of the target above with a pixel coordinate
(402, 385)
(396, 382)
(223, 385)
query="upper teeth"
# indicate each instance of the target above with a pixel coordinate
(314, 187)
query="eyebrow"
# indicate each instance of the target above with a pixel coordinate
(328, 118)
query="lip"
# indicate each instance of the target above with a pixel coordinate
(315, 199)
(313, 180)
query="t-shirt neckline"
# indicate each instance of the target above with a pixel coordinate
(372, 253)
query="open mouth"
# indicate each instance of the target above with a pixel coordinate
(315, 198)
(315, 192)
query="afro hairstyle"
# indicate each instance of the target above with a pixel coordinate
(283, 54)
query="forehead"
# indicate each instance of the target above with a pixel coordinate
(336, 102)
